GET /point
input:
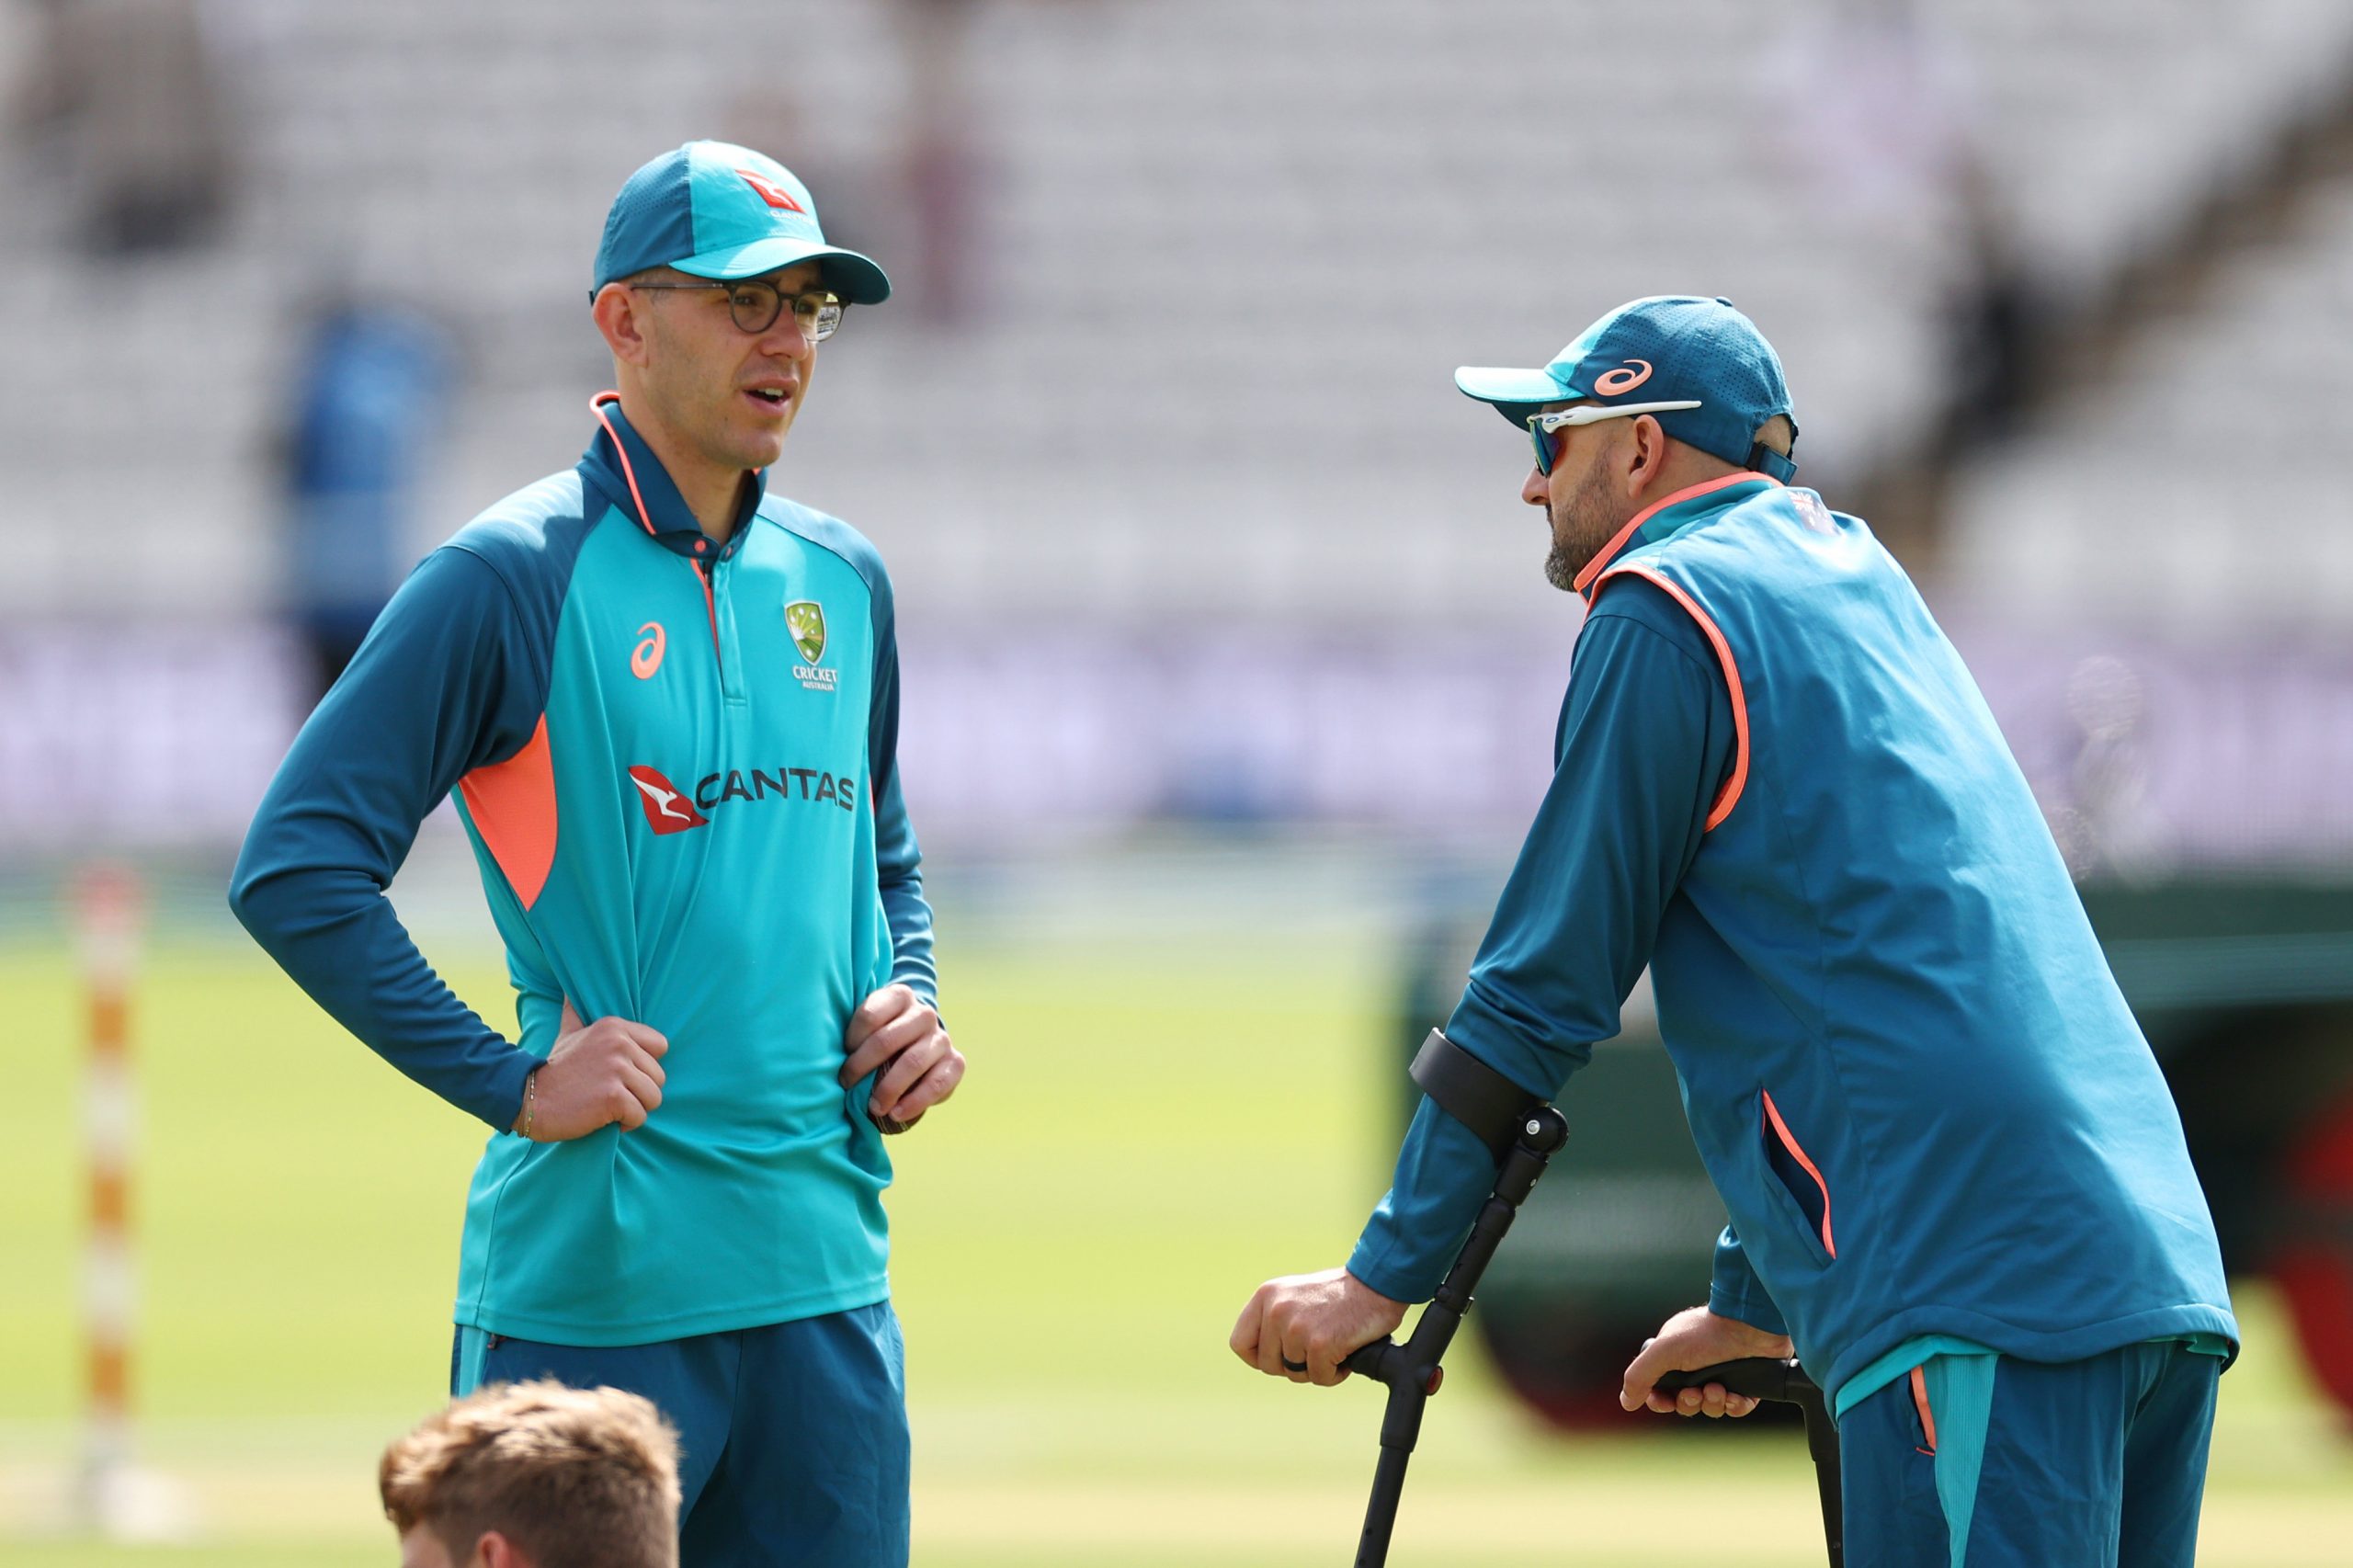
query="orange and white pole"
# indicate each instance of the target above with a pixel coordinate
(110, 910)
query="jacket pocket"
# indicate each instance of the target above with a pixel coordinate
(1796, 1173)
(1922, 1414)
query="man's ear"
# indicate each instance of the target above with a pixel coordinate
(621, 317)
(1644, 456)
(494, 1551)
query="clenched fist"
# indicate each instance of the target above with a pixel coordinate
(598, 1073)
(1304, 1325)
(896, 1027)
(1693, 1338)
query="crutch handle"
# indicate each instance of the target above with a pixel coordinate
(1385, 1361)
(1755, 1377)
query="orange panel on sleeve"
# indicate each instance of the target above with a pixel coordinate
(1729, 796)
(513, 805)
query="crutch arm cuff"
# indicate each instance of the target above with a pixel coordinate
(1482, 1100)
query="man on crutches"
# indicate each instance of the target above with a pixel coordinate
(1957, 1183)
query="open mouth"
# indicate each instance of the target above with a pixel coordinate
(775, 397)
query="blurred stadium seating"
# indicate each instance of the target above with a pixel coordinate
(1229, 254)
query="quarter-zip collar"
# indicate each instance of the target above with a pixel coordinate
(624, 469)
(1671, 514)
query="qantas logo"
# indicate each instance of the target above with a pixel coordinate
(770, 192)
(667, 810)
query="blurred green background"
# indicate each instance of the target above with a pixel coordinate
(1155, 1121)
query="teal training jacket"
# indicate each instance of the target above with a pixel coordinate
(677, 764)
(1907, 1068)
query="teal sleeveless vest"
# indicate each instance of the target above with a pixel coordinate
(1905, 1060)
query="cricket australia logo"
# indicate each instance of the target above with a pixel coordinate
(805, 618)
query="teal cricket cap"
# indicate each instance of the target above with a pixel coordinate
(1665, 348)
(715, 210)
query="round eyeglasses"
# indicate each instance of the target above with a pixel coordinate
(754, 303)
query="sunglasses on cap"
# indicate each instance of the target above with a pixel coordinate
(1541, 426)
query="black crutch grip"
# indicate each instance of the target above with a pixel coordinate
(1385, 1361)
(1757, 1377)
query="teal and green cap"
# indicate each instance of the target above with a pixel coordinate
(1667, 348)
(715, 210)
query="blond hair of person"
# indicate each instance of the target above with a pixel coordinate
(561, 1477)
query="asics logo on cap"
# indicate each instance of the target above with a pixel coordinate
(770, 192)
(1624, 378)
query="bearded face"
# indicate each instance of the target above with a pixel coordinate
(1584, 516)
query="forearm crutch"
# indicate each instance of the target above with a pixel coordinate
(1786, 1383)
(1530, 1133)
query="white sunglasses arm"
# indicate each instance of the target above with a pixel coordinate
(1591, 412)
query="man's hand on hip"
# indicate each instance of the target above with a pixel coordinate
(1304, 1325)
(598, 1073)
(896, 1027)
(1693, 1338)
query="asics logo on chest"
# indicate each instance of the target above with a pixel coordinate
(646, 657)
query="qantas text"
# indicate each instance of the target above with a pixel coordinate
(792, 783)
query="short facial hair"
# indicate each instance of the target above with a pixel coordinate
(1579, 529)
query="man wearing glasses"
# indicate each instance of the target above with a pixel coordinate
(666, 700)
(1957, 1183)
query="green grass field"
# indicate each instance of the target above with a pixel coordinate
(1149, 1131)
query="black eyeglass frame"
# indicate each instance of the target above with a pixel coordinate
(819, 328)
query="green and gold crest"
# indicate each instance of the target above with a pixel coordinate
(806, 621)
